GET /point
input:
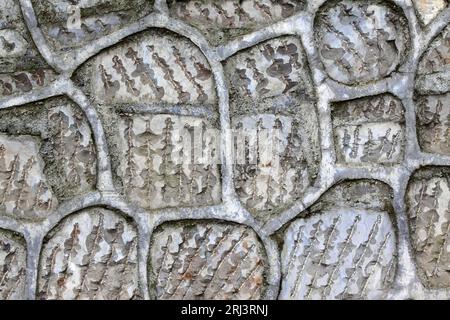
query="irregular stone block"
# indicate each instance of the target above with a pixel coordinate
(152, 67)
(427, 201)
(429, 9)
(90, 255)
(361, 41)
(344, 248)
(369, 130)
(222, 20)
(433, 125)
(200, 260)
(12, 266)
(270, 69)
(276, 127)
(169, 160)
(69, 24)
(66, 145)
(271, 168)
(433, 75)
(24, 190)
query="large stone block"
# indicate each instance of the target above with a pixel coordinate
(369, 130)
(169, 161)
(427, 201)
(361, 41)
(90, 255)
(344, 248)
(211, 260)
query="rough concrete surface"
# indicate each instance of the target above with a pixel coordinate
(255, 149)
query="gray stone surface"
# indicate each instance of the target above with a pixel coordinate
(352, 205)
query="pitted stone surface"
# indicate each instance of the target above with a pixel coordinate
(369, 130)
(160, 165)
(25, 192)
(65, 150)
(207, 261)
(361, 41)
(428, 209)
(343, 250)
(68, 24)
(90, 255)
(223, 20)
(12, 266)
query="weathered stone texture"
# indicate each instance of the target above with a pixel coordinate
(271, 168)
(277, 150)
(433, 75)
(162, 167)
(361, 41)
(12, 266)
(90, 255)
(206, 149)
(68, 24)
(433, 114)
(344, 249)
(207, 261)
(222, 20)
(428, 209)
(369, 130)
(151, 68)
(64, 148)
(17, 50)
(24, 190)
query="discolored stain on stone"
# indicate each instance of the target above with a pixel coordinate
(369, 130)
(169, 161)
(69, 24)
(90, 255)
(433, 75)
(428, 9)
(345, 248)
(206, 260)
(361, 41)
(12, 266)
(433, 123)
(152, 67)
(24, 189)
(276, 125)
(64, 146)
(222, 20)
(427, 202)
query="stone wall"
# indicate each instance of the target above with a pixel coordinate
(122, 175)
